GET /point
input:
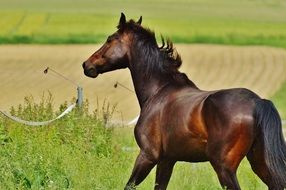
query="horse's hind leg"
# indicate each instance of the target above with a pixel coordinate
(226, 153)
(163, 174)
(256, 159)
(226, 175)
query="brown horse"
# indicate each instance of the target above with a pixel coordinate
(180, 122)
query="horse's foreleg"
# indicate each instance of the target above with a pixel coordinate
(163, 174)
(142, 168)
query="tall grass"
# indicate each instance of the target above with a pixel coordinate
(73, 152)
(80, 151)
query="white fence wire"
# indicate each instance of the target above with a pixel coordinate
(39, 123)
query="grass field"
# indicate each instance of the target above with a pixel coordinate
(78, 152)
(86, 21)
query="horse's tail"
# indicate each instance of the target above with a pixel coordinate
(268, 120)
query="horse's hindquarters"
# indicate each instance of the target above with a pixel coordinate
(229, 118)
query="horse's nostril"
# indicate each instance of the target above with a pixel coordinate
(83, 65)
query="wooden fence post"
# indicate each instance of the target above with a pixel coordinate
(79, 101)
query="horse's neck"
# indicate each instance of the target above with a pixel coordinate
(145, 87)
(148, 84)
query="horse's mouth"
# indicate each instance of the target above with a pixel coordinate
(91, 72)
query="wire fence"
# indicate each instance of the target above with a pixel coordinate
(24, 74)
(39, 123)
(78, 103)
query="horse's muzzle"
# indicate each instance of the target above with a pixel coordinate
(89, 71)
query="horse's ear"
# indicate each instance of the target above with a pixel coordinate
(122, 20)
(140, 20)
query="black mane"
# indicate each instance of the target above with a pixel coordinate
(163, 60)
(171, 59)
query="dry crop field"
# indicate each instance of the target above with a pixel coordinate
(261, 69)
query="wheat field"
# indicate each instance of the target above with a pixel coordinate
(261, 69)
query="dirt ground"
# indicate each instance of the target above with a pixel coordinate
(261, 69)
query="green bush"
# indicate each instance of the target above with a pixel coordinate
(57, 156)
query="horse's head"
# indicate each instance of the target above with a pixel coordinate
(114, 54)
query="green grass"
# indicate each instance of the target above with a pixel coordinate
(280, 100)
(79, 152)
(74, 153)
(87, 21)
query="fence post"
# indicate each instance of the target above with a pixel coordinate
(79, 101)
